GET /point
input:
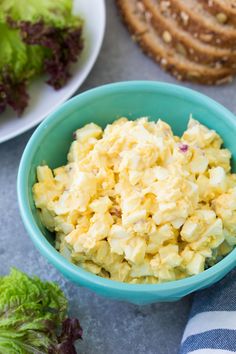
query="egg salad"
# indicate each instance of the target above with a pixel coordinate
(137, 204)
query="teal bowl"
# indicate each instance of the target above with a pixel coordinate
(50, 143)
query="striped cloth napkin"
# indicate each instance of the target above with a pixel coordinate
(211, 328)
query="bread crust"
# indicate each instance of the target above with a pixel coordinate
(219, 35)
(144, 34)
(216, 7)
(185, 43)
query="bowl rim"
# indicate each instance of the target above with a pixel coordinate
(70, 270)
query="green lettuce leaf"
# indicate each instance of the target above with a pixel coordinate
(18, 64)
(57, 13)
(21, 60)
(42, 36)
(31, 312)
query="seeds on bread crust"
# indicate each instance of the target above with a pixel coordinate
(183, 42)
(202, 24)
(152, 44)
(216, 7)
(221, 17)
(167, 37)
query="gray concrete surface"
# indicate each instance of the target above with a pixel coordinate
(109, 327)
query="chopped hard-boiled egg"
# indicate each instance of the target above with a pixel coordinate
(137, 204)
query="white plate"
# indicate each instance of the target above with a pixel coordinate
(43, 98)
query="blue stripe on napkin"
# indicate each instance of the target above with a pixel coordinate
(212, 320)
(215, 339)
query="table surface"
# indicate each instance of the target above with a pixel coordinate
(151, 329)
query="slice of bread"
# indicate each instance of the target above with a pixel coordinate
(223, 10)
(138, 22)
(184, 42)
(192, 16)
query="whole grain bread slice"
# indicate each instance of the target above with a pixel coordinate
(138, 22)
(183, 42)
(223, 10)
(192, 16)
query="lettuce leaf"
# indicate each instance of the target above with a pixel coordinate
(18, 63)
(23, 61)
(62, 45)
(31, 313)
(54, 13)
(36, 37)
